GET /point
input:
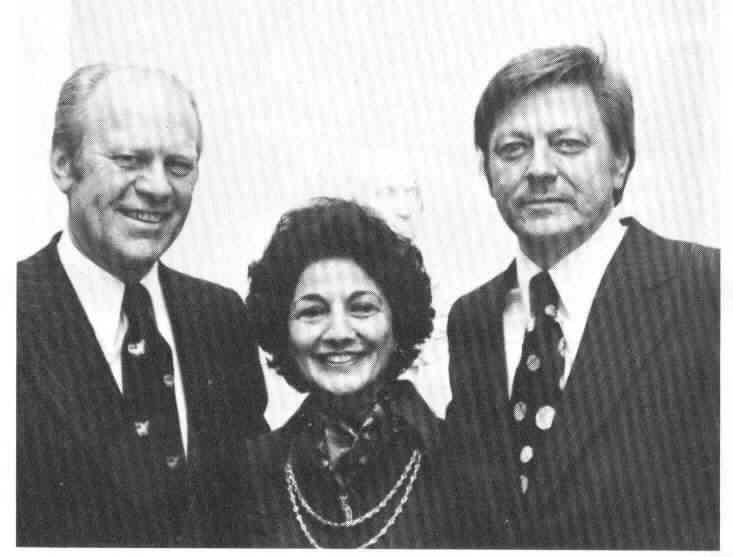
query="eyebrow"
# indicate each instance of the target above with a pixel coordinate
(309, 298)
(523, 135)
(313, 297)
(512, 133)
(183, 153)
(359, 293)
(561, 131)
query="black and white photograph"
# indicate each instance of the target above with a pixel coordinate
(369, 274)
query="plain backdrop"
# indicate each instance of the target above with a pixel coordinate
(335, 97)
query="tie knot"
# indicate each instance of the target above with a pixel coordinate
(136, 304)
(542, 293)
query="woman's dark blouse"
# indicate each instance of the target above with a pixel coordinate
(260, 513)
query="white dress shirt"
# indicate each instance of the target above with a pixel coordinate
(100, 294)
(576, 278)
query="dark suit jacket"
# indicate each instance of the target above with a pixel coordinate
(632, 458)
(80, 480)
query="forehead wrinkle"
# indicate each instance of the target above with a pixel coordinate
(551, 109)
(143, 110)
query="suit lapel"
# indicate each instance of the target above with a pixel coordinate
(632, 297)
(493, 332)
(195, 359)
(74, 376)
(487, 311)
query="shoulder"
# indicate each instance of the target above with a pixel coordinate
(201, 300)
(264, 456)
(42, 285)
(40, 265)
(480, 292)
(195, 286)
(694, 264)
(481, 302)
(679, 252)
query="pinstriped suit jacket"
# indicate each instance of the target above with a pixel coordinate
(79, 475)
(632, 458)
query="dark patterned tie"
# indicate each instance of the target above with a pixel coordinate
(149, 395)
(537, 388)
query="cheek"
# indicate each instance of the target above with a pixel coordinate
(184, 192)
(301, 339)
(382, 337)
(503, 178)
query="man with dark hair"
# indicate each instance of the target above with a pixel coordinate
(130, 375)
(585, 377)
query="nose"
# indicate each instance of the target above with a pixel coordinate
(541, 170)
(339, 330)
(153, 181)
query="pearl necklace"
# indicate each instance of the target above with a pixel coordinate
(298, 500)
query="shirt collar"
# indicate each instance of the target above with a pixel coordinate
(578, 275)
(100, 292)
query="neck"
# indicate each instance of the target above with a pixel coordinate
(546, 251)
(126, 272)
(351, 406)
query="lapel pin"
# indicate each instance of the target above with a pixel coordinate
(142, 428)
(136, 348)
(562, 347)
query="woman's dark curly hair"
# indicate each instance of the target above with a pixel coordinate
(335, 228)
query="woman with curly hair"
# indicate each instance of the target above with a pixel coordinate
(341, 303)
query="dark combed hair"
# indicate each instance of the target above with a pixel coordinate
(335, 228)
(545, 67)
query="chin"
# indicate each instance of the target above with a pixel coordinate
(538, 229)
(137, 261)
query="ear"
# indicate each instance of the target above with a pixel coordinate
(485, 170)
(62, 169)
(622, 168)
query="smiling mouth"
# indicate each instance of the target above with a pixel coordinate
(147, 217)
(340, 358)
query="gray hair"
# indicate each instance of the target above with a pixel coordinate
(68, 130)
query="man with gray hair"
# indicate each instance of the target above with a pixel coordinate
(130, 375)
(585, 377)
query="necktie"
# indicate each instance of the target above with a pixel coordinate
(537, 383)
(149, 398)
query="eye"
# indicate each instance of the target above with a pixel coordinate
(363, 308)
(511, 150)
(570, 146)
(180, 168)
(126, 161)
(309, 313)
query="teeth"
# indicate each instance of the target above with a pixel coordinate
(145, 216)
(339, 358)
